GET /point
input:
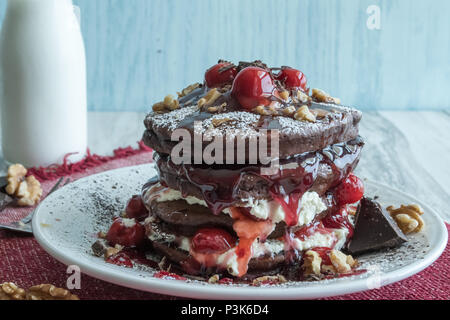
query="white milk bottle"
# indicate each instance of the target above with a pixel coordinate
(43, 83)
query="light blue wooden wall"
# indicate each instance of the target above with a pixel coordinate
(140, 50)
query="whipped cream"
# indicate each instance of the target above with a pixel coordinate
(228, 259)
(311, 204)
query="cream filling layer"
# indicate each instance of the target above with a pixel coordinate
(310, 204)
(228, 260)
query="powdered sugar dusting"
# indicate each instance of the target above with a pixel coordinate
(239, 124)
(170, 120)
(243, 123)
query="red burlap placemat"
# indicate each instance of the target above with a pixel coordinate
(24, 262)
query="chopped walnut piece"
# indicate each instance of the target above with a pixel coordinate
(289, 111)
(312, 262)
(303, 97)
(214, 279)
(408, 218)
(218, 122)
(328, 269)
(49, 292)
(272, 110)
(16, 174)
(188, 90)
(261, 110)
(341, 262)
(29, 192)
(109, 252)
(159, 107)
(304, 114)
(322, 96)
(225, 88)
(169, 104)
(284, 95)
(352, 262)
(101, 235)
(9, 291)
(209, 98)
(269, 280)
(217, 109)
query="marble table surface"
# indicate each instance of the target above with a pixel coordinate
(409, 151)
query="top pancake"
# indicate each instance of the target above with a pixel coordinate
(296, 137)
(232, 123)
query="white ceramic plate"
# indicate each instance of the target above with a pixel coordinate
(66, 224)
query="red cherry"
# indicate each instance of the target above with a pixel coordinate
(350, 190)
(136, 209)
(292, 78)
(212, 240)
(253, 87)
(215, 78)
(120, 259)
(125, 233)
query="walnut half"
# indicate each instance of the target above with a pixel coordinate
(408, 218)
(49, 292)
(27, 190)
(9, 291)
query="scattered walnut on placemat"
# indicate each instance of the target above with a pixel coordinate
(10, 291)
(49, 292)
(27, 190)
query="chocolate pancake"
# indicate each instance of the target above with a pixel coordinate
(263, 263)
(181, 218)
(340, 124)
(225, 186)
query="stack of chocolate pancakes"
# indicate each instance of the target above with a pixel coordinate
(235, 218)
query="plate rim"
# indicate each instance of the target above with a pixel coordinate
(207, 291)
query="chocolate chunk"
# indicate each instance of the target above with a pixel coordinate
(374, 229)
(99, 247)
